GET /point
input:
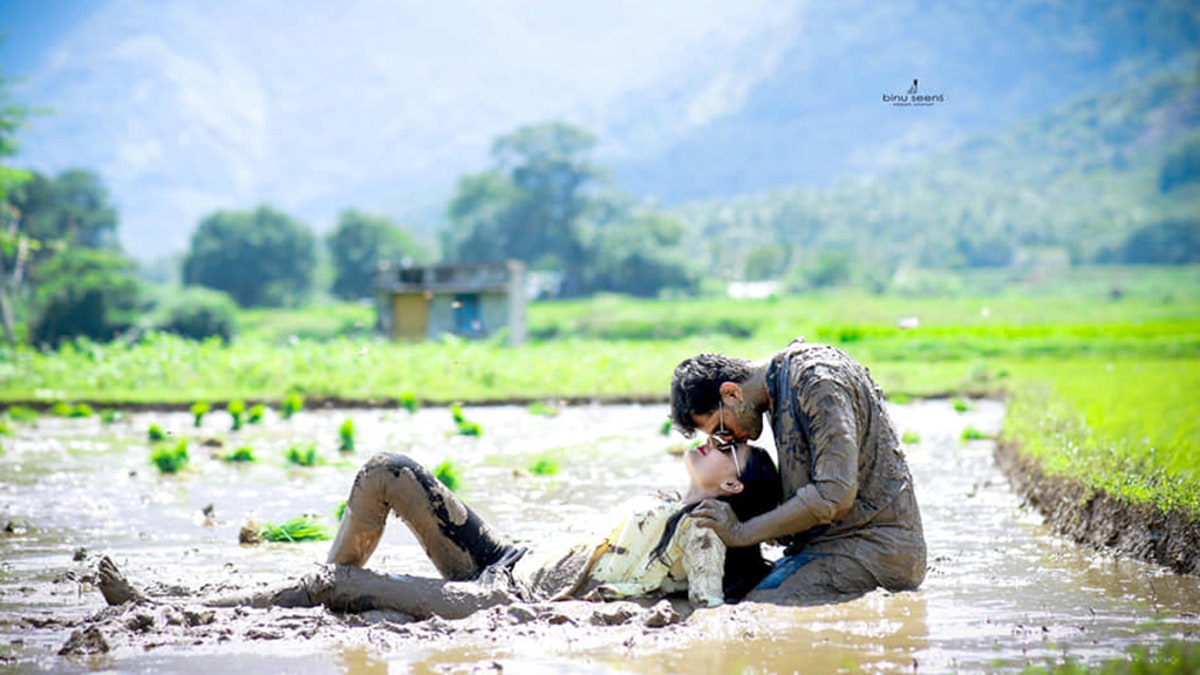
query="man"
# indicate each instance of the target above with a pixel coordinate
(849, 519)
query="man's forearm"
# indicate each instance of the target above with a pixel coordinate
(804, 511)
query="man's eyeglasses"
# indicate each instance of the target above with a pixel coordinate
(722, 438)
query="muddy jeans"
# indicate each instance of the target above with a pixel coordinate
(806, 579)
(460, 545)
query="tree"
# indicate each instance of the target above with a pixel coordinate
(199, 313)
(261, 258)
(359, 244)
(14, 246)
(639, 255)
(530, 205)
(84, 292)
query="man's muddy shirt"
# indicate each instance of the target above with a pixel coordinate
(616, 561)
(835, 441)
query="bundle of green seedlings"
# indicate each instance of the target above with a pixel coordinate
(171, 459)
(465, 427)
(346, 433)
(449, 475)
(304, 455)
(236, 408)
(292, 404)
(301, 528)
(408, 401)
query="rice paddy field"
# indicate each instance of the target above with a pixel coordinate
(1100, 365)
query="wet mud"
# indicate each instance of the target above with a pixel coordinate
(1002, 590)
(1097, 519)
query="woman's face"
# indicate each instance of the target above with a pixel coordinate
(714, 472)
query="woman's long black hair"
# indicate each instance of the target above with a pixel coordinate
(761, 492)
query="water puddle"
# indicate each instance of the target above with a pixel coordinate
(1001, 591)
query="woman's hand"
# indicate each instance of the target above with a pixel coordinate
(719, 517)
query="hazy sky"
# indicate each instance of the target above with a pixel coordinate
(187, 106)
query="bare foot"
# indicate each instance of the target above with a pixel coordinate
(115, 587)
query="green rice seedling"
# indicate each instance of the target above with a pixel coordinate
(156, 434)
(255, 415)
(960, 405)
(199, 410)
(111, 415)
(457, 413)
(465, 426)
(19, 413)
(665, 429)
(408, 401)
(4, 430)
(450, 476)
(542, 409)
(302, 528)
(346, 433)
(242, 454)
(81, 410)
(62, 409)
(171, 459)
(292, 404)
(236, 408)
(303, 455)
(340, 510)
(973, 434)
(544, 466)
(911, 437)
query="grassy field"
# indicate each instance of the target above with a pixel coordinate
(1101, 365)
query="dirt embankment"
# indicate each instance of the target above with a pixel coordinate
(1142, 531)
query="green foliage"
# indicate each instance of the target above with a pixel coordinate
(84, 292)
(199, 410)
(4, 429)
(408, 401)
(242, 454)
(302, 528)
(155, 433)
(111, 415)
(256, 413)
(449, 474)
(665, 429)
(72, 209)
(1182, 164)
(64, 409)
(171, 459)
(972, 434)
(465, 427)
(340, 510)
(292, 404)
(1129, 428)
(1175, 241)
(236, 408)
(304, 455)
(19, 413)
(359, 244)
(199, 313)
(544, 465)
(959, 405)
(260, 258)
(910, 437)
(542, 409)
(346, 434)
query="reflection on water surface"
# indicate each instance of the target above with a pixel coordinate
(1001, 590)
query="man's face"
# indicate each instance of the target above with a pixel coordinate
(733, 420)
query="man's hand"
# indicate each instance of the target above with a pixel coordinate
(719, 517)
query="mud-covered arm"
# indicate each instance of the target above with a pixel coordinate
(834, 484)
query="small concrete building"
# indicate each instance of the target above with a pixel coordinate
(471, 300)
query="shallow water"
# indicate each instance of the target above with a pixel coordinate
(1002, 592)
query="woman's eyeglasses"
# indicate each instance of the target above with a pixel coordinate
(722, 439)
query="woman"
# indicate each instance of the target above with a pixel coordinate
(654, 548)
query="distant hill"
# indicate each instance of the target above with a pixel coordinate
(183, 110)
(1084, 180)
(818, 115)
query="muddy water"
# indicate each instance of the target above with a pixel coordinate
(1002, 592)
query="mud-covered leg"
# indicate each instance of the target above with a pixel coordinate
(344, 588)
(113, 585)
(454, 537)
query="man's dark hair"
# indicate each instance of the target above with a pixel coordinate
(696, 386)
(761, 492)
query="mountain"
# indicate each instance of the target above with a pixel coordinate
(187, 107)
